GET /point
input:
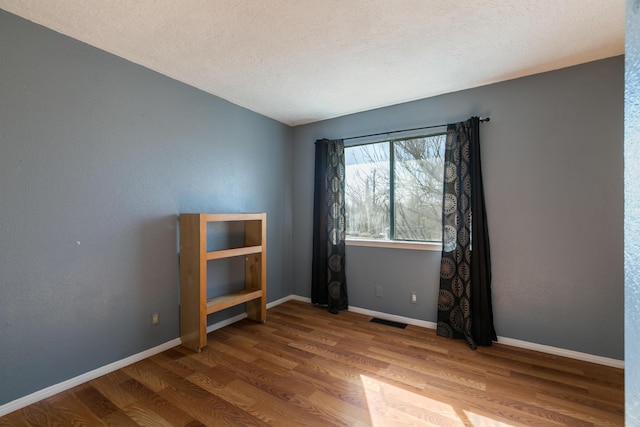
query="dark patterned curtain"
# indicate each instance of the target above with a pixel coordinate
(329, 282)
(464, 303)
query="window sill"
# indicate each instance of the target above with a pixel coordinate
(396, 244)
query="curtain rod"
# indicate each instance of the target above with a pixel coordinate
(406, 130)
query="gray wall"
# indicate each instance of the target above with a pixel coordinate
(632, 214)
(98, 157)
(552, 160)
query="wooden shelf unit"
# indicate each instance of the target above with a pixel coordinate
(194, 305)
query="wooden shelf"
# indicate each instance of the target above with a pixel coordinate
(229, 300)
(232, 217)
(229, 253)
(194, 304)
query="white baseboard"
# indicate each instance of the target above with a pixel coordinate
(226, 322)
(80, 379)
(556, 351)
(288, 298)
(297, 298)
(234, 319)
(615, 363)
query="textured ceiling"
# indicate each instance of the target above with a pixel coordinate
(300, 61)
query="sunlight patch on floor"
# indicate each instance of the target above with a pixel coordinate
(393, 406)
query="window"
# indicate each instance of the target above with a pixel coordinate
(393, 189)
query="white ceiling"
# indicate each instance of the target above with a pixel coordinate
(300, 61)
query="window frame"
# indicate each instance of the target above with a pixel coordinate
(395, 244)
(392, 242)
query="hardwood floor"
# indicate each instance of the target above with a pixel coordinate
(307, 367)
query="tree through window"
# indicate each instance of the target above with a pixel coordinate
(393, 189)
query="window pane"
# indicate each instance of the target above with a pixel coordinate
(367, 191)
(418, 174)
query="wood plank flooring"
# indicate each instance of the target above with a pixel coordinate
(307, 367)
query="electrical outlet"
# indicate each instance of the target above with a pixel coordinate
(379, 291)
(414, 298)
(155, 319)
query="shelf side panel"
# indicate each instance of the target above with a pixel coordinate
(193, 276)
(255, 268)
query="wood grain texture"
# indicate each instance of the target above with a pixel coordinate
(194, 306)
(305, 366)
(193, 277)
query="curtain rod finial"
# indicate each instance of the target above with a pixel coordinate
(486, 119)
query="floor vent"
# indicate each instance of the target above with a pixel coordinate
(389, 323)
